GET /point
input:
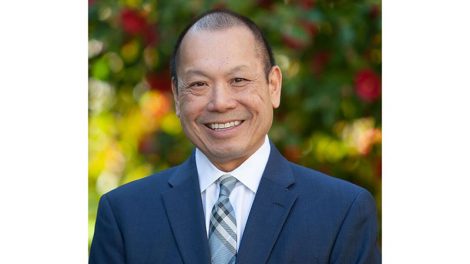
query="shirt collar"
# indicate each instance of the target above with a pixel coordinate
(249, 173)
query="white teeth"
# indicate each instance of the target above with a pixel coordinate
(226, 125)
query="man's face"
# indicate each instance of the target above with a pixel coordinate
(224, 101)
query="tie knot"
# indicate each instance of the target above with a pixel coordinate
(227, 183)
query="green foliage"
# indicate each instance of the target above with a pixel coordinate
(330, 114)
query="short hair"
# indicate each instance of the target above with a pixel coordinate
(219, 19)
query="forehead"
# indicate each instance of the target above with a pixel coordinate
(218, 49)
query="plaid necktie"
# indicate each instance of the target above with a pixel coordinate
(223, 225)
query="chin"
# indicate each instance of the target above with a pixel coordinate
(226, 155)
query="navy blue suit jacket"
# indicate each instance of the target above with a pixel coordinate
(298, 216)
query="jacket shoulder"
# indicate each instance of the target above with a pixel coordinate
(148, 186)
(313, 181)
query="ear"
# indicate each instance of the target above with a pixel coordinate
(174, 89)
(275, 85)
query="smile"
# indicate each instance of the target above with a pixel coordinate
(219, 126)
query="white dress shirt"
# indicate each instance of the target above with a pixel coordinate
(248, 175)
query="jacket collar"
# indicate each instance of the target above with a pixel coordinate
(184, 209)
(269, 211)
(274, 198)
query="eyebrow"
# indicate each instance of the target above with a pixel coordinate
(201, 72)
(195, 72)
(238, 68)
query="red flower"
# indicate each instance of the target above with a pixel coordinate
(133, 22)
(295, 43)
(378, 167)
(266, 4)
(159, 81)
(307, 4)
(319, 62)
(374, 11)
(300, 35)
(219, 6)
(150, 35)
(309, 26)
(292, 153)
(368, 85)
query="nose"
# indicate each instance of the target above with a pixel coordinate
(222, 99)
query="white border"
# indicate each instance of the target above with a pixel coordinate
(426, 134)
(43, 134)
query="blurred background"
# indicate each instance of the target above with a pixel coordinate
(330, 113)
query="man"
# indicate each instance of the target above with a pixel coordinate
(236, 199)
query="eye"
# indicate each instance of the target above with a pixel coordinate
(239, 81)
(197, 84)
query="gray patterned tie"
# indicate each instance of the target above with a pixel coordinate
(223, 225)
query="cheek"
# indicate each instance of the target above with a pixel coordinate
(191, 108)
(257, 99)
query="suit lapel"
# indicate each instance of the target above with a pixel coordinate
(184, 209)
(269, 211)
